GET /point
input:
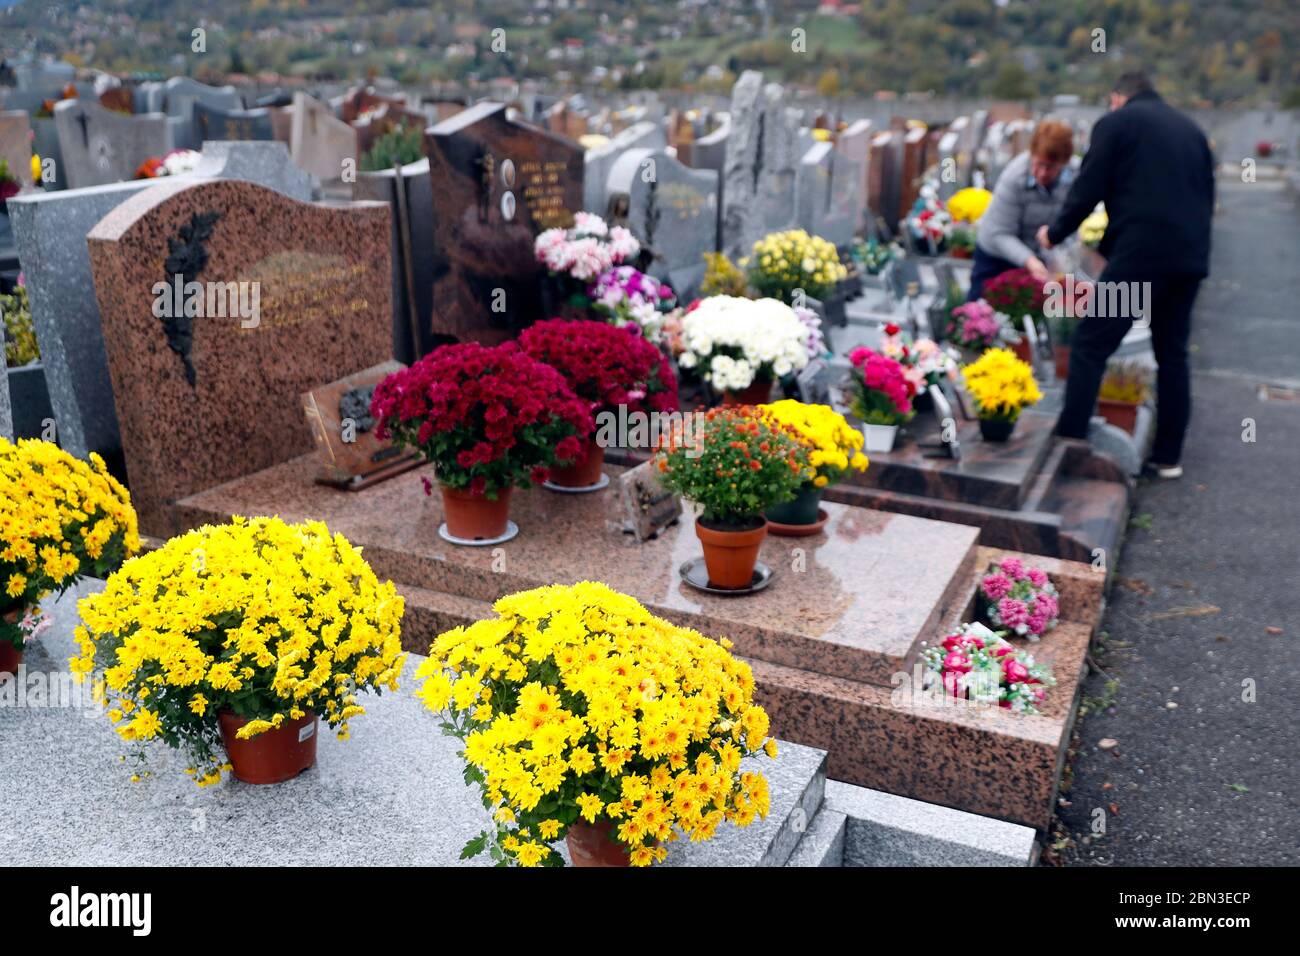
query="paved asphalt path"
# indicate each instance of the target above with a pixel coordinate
(1191, 773)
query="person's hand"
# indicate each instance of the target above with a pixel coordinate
(1043, 241)
(1037, 269)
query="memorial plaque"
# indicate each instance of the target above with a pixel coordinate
(204, 398)
(339, 417)
(496, 185)
(648, 506)
(212, 123)
(100, 146)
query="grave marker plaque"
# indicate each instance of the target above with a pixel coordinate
(648, 506)
(339, 417)
(208, 398)
(496, 185)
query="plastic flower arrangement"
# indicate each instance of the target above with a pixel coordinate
(267, 620)
(978, 326)
(736, 464)
(586, 249)
(969, 204)
(732, 342)
(174, 163)
(1002, 385)
(834, 446)
(1019, 599)
(924, 362)
(881, 393)
(1093, 228)
(605, 366)
(872, 255)
(488, 418)
(928, 222)
(1016, 293)
(783, 262)
(976, 664)
(60, 519)
(627, 296)
(577, 707)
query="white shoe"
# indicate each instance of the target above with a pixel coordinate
(1165, 471)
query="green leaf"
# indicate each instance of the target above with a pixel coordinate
(475, 846)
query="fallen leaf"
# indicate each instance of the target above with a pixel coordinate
(1114, 809)
(1273, 630)
(1108, 786)
(1222, 638)
(1195, 610)
(1107, 743)
(1239, 788)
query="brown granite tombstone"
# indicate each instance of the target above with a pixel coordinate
(496, 184)
(225, 402)
(913, 168)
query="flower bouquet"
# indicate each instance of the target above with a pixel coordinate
(175, 163)
(872, 255)
(976, 326)
(740, 346)
(612, 370)
(924, 362)
(585, 717)
(490, 419)
(1002, 386)
(881, 397)
(834, 448)
(784, 264)
(968, 205)
(576, 257)
(735, 465)
(627, 296)
(976, 664)
(238, 637)
(928, 222)
(1019, 599)
(60, 519)
(1093, 228)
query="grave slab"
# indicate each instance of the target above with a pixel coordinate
(194, 412)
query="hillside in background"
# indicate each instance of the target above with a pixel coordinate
(1226, 51)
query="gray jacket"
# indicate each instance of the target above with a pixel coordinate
(1019, 206)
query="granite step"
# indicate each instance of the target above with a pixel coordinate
(823, 842)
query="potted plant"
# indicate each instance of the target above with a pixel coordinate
(576, 257)
(1125, 386)
(872, 255)
(232, 641)
(585, 717)
(968, 205)
(608, 368)
(881, 397)
(489, 419)
(10, 184)
(975, 664)
(735, 466)
(793, 266)
(977, 326)
(1016, 294)
(924, 363)
(61, 519)
(928, 222)
(741, 346)
(1002, 386)
(961, 242)
(834, 448)
(29, 394)
(1018, 599)
(627, 296)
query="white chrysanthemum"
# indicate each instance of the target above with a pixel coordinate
(768, 334)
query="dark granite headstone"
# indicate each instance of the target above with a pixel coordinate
(204, 400)
(213, 123)
(496, 185)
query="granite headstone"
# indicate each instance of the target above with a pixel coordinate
(16, 143)
(213, 123)
(496, 185)
(206, 399)
(599, 159)
(319, 141)
(761, 161)
(99, 146)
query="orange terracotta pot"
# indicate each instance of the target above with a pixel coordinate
(583, 473)
(272, 756)
(1062, 354)
(1120, 414)
(10, 658)
(475, 517)
(593, 844)
(730, 556)
(756, 393)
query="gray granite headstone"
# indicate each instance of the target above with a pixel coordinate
(948, 169)
(598, 160)
(6, 413)
(100, 146)
(50, 232)
(761, 160)
(45, 144)
(812, 190)
(671, 208)
(177, 97)
(319, 141)
(212, 123)
(848, 206)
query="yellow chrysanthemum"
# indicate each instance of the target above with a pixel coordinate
(1001, 384)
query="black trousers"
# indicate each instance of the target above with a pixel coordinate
(1097, 338)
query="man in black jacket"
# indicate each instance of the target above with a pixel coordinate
(1152, 167)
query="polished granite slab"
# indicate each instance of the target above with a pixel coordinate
(851, 602)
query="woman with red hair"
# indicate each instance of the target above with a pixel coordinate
(1029, 193)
